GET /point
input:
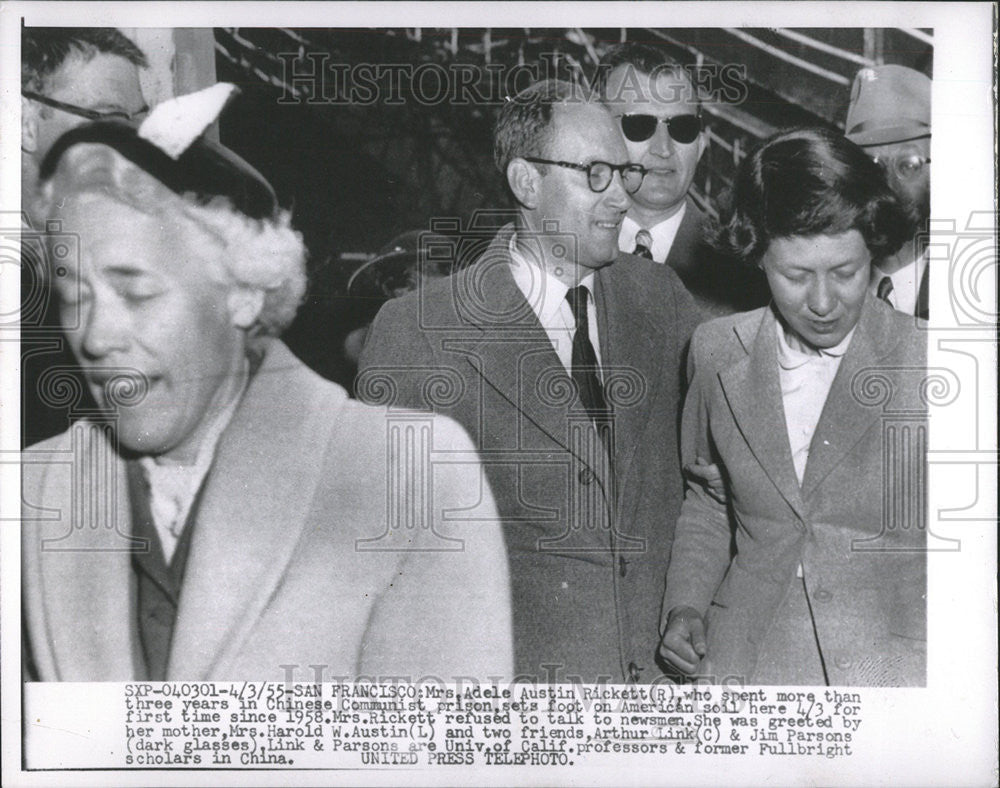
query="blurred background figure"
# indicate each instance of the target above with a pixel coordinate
(889, 116)
(827, 584)
(70, 76)
(402, 265)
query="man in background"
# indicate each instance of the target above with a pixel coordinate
(889, 116)
(68, 76)
(658, 112)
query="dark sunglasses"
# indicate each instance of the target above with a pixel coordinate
(640, 127)
(601, 173)
(83, 112)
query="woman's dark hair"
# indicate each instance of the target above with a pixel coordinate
(810, 181)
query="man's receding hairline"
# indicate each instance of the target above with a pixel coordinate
(52, 79)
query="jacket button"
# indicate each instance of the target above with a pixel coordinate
(633, 671)
(843, 662)
(586, 476)
(622, 566)
(822, 595)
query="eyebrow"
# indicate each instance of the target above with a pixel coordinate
(126, 271)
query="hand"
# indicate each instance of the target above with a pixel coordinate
(683, 643)
(709, 477)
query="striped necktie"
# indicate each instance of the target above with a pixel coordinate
(884, 289)
(643, 244)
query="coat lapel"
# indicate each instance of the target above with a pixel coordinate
(923, 294)
(753, 391)
(84, 560)
(252, 512)
(513, 353)
(843, 421)
(689, 234)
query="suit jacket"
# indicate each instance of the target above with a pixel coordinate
(688, 246)
(588, 543)
(720, 285)
(295, 559)
(856, 524)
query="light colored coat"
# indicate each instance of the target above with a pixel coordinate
(856, 524)
(286, 565)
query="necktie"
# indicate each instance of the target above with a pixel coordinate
(643, 244)
(884, 289)
(584, 364)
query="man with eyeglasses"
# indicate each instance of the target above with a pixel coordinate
(70, 76)
(562, 358)
(658, 112)
(889, 116)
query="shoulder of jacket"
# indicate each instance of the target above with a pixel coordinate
(718, 341)
(630, 270)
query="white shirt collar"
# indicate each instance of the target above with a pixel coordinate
(173, 487)
(663, 234)
(547, 297)
(544, 292)
(793, 352)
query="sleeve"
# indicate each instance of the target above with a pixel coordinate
(447, 614)
(396, 360)
(688, 318)
(701, 549)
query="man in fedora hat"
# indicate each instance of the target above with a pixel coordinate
(889, 115)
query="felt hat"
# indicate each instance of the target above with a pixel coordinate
(888, 104)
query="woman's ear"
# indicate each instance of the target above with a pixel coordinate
(524, 181)
(245, 305)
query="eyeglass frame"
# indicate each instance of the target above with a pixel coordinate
(666, 122)
(619, 168)
(887, 162)
(83, 112)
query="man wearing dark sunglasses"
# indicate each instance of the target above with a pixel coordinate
(658, 113)
(70, 76)
(562, 358)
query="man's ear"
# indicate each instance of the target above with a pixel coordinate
(29, 126)
(524, 181)
(245, 305)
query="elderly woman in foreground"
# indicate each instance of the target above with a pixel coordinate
(814, 571)
(228, 514)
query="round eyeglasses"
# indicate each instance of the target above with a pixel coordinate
(83, 112)
(639, 127)
(601, 173)
(905, 167)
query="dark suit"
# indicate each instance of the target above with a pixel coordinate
(720, 285)
(588, 545)
(856, 523)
